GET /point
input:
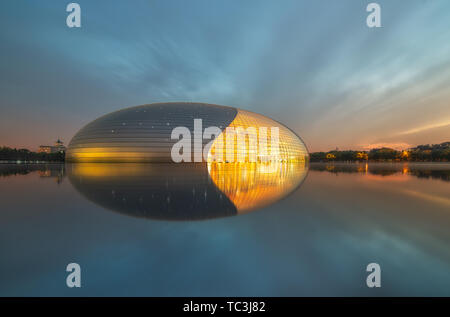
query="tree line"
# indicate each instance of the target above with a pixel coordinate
(13, 154)
(421, 153)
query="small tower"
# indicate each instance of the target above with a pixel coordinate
(58, 147)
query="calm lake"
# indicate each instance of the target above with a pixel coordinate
(154, 231)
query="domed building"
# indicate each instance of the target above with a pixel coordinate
(145, 134)
(58, 147)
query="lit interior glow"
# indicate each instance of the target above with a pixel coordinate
(290, 147)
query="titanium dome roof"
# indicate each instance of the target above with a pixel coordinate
(143, 133)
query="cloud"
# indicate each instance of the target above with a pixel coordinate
(396, 146)
(427, 127)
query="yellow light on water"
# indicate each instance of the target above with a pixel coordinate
(253, 185)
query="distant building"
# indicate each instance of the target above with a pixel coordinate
(57, 147)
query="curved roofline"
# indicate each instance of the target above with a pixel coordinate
(177, 102)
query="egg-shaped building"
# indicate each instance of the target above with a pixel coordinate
(145, 134)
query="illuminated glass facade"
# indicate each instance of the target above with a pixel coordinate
(252, 137)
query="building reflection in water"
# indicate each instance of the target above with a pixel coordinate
(185, 191)
(253, 185)
(420, 170)
(46, 170)
(56, 172)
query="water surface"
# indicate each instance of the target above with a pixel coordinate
(316, 241)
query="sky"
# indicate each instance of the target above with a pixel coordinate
(315, 66)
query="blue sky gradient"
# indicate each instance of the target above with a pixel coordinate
(312, 65)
